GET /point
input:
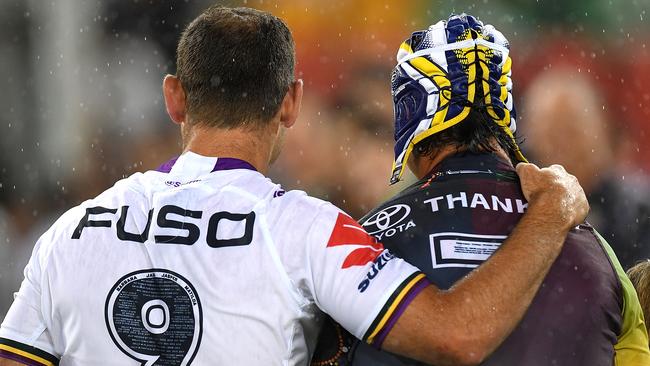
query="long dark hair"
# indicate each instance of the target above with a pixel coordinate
(475, 134)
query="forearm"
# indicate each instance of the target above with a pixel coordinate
(464, 324)
(7, 362)
(491, 301)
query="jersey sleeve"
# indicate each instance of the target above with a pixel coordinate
(632, 344)
(355, 280)
(24, 334)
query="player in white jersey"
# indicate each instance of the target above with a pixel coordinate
(207, 262)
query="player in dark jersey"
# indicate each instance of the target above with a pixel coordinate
(455, 125)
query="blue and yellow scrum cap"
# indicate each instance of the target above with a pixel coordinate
(434, 84)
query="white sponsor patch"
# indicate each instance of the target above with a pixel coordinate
(461, 249)
(386, 218)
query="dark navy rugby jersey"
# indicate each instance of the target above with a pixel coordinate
(447, 224)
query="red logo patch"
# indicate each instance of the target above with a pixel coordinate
(348, 232)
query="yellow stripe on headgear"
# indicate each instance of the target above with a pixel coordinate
(473, 50)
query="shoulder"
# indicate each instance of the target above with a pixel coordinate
(298, 203)
(303, 213)
(631, 346)
(299, 200)
(131, 189)
(125, 191)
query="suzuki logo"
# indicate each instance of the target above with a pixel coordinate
(386, 218)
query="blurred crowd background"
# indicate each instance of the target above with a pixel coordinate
(81, 105)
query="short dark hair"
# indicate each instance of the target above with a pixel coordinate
(476, 133)
(235, 65)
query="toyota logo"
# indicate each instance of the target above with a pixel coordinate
(386, 218)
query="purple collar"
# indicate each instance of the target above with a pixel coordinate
(166, 167)
(232, 163)
(221, 164)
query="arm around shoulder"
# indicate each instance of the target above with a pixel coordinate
(463, 325)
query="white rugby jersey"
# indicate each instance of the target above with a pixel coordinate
(203, 262)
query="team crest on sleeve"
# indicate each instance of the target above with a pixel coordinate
(348, 232)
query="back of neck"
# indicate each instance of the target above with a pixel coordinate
(252, 146)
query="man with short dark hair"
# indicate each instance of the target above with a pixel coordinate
(246, 69)
(206, 261)
(454, 127)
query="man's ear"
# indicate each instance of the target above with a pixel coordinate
(290, 108)
(174, 98)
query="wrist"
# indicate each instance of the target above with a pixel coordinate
(551, 214)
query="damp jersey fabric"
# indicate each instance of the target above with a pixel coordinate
(586, 311)
(205, 262)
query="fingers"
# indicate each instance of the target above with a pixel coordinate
(557, 191)
(559, 169)
(529, 176)
(526, 168)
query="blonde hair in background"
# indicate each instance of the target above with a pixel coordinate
(640, 277)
